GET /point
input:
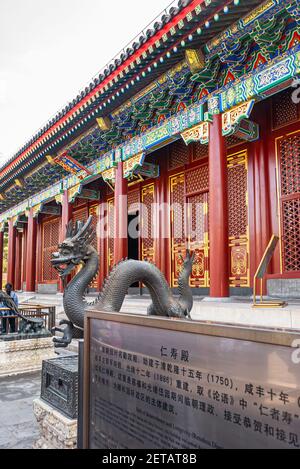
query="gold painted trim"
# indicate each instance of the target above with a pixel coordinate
(237, 159)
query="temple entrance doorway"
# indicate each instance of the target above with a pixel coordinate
(133, 239)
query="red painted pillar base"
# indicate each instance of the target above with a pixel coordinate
(121, 216)
(218, 212)
(31, 252)
(66, 216)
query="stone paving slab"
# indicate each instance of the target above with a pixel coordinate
(18, 426)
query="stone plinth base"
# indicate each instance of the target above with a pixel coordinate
(56, 430)
(24, 356)
(286, 288)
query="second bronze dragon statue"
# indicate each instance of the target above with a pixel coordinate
(77, 250)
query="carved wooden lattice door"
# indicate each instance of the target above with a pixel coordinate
(178, 239)
(94, 212)
(238, 220)
(79, 215)
(147, 223)
(197, 198)
(289, 194)
(50, 241)
(189, 223)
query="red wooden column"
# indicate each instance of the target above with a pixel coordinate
(66, 216)
(11, 252)
(121, 216)
(218, 212)
(18, 262)
(24, 248)
(162, 244)
(39, 251)
(262, 211)
(1, 257)
(31, 252)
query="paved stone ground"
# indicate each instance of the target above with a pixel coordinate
(18, 427)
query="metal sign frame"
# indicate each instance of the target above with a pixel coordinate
(281, 337)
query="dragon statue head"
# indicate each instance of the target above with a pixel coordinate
(75, 249)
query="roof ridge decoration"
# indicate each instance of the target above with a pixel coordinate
(101, 84)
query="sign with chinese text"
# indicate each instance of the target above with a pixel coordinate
(164, 384)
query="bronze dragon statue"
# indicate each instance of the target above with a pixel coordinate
(77, 249)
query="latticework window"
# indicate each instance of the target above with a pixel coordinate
(147, 223)
(177, 184)
(80, 215)
(237, 192)
(133, 201)
(284, 110)
(199, 151)
(197, 180)
(111, 234)
(289, 150)
(178, 201)
(179, 155)
(196, 224)
(198, 238)
(291, 234)
(93, 211)
(50, 241)
(232, 140)
(290, 165)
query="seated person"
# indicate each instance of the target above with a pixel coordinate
(8, 312)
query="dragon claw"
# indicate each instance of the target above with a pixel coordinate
(67, 334)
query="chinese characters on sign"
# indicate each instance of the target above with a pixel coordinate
(207, 392)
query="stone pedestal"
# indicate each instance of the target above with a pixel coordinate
(60, 384)
(24, 355)
(56, 430)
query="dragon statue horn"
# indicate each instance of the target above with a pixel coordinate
(70, 230)
(83, 231)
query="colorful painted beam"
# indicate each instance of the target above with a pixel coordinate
(267, 80)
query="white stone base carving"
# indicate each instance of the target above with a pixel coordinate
(56, 430)
(24, 356)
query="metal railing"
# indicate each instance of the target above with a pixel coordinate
(45, 312)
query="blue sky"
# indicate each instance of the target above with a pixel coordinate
(50, 50)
